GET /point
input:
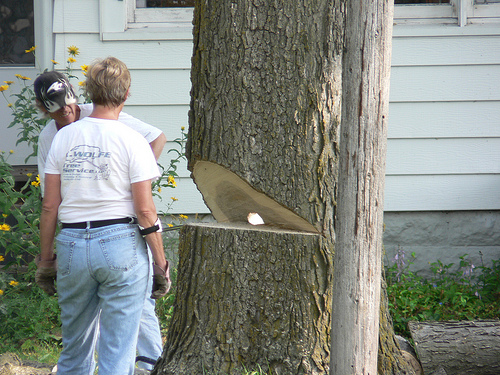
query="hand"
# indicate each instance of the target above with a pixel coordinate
(161, 281)
(45, 275)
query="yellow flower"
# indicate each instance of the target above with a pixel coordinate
(4, 87)
(174, 199)
(171, 181)
(159, 190)
(9, 105)
(8, 82)
(2, 258)
(11, 151)
(30, 50)
(84, 68)
(1, 292)
(81, 83)
(73, 51)
(23, 77)
(183, 216)
(71, 60)
(5, 227)
(14, 283)
(29, 174)
(5, 215)
(37, 182)
(183, 128)
(54, 62)
(170, 225)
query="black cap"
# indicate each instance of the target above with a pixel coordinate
(54, 91)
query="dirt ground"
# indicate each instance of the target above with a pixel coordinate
(11, 364)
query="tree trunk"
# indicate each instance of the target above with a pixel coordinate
(363, 142)
(460, 348)
(265, 100)
(263, 138)
(250, 296)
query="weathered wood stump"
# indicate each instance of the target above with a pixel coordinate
(250, 296)
(458, 347)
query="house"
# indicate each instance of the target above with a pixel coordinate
(443, 163)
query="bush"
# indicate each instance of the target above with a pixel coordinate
(459, 294)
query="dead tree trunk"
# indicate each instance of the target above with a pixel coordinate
(264, 118)
(459, 348)
(363, 140)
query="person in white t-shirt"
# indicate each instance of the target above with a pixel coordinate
(55, 97)
(98, 176)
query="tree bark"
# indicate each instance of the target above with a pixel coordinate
(363, 142)
(249, 296)
(460, 348)
(263, 138)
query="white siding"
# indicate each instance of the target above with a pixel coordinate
(71, 17)
(444, 121)
(9, 137)
(159, 62)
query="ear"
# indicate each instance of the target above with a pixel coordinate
(40, 107)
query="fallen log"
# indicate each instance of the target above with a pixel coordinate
(458, 347)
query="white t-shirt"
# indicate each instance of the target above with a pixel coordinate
(98, 160)
(150, 133)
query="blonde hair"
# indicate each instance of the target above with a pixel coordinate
(108, 81)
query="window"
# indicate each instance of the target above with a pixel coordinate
(421, 1)
(164, 3)
(17, 32)
(461, 12)
(160, 13)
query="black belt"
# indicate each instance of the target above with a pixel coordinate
(99, 223)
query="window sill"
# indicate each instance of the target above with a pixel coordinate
(437, 30)
(136, 31)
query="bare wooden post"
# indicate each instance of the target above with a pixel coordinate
(357, 273)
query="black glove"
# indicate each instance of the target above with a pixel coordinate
(46, 274)
(161, 281)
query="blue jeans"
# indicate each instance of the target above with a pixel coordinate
(102, 279)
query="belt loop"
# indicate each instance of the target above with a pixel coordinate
(88, 225)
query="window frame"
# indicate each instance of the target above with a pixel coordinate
(158, 17)
(461, 12)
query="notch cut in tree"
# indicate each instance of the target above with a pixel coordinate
(232, 200)
(265, 109)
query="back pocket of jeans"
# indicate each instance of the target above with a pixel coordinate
(65, 250)
(120, 251)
